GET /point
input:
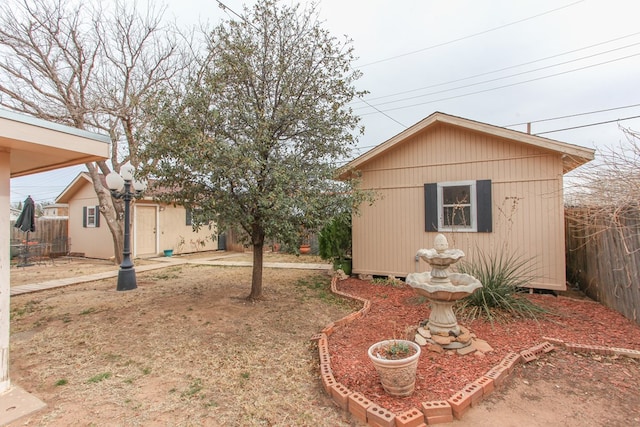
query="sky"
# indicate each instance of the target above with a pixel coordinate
(557, 64)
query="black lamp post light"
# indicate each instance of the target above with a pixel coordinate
(121, 188)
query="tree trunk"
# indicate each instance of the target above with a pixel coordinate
(109, 210)
(257, 240)
(256, 277)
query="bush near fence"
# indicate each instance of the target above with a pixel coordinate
(603, 255)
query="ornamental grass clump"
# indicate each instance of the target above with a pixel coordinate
(504, 277)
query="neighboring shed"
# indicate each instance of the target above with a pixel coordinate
(155, 227)
(56, 210)
(487, 188)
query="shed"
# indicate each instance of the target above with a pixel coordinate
(155, 226)
(488, 189)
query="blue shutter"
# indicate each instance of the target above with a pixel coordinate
(189, 219)
(431, 207)
(84, 216)
(483, 199)
(97, 216)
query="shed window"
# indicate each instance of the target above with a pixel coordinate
(463, 206)
(91, 216)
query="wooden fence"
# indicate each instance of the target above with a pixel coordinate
(603, 256)
(52, 231)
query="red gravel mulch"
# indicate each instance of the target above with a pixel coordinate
(394, 309)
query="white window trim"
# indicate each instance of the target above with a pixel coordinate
(91, 219)
(474, 207)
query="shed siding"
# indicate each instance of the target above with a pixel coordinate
(527, 203)
(93, 242)
(98, 243)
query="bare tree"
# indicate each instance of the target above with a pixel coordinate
(91, 68)
(605, 195)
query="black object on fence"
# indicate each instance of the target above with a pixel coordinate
(27, 223)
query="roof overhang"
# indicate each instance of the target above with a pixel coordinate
(37, 145)
(572, 155)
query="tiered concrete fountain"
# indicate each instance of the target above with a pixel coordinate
(443, 289)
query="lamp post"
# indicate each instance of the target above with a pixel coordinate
(120, 186)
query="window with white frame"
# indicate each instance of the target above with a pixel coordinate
(90, 216)
(458, 206)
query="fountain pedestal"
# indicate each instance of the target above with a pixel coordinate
(442, 319)
(443, 289)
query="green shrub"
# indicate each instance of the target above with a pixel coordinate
(504, 278)
(335, 238)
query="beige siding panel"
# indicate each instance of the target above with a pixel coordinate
(93, 242)
(177, 235)
(527, 202)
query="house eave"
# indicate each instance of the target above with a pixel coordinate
(36, 145)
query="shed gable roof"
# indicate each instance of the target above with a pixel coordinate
(572, 155)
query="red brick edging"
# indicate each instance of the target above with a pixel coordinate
(438, 411)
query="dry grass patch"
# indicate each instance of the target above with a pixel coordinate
(183, 349)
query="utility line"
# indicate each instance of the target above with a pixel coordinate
(384, 114)
(225, 8)
(588, 125)
(506, 68)
(507, 85)
(469, 36)
(360, 149)
(504, 77)
(574, 115)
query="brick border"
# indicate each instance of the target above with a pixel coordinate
(438, 411)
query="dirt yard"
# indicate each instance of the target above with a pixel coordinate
(186, 349)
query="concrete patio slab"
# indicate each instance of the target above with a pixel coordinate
(16, 403)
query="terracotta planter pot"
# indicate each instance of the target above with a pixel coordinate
(398, 377)
(305, 249)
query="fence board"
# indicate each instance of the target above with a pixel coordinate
(50, 230)
(603, 255)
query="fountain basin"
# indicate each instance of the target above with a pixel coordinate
(458, 285)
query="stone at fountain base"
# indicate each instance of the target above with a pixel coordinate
(465, 340)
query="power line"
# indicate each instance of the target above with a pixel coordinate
(508, 85)
(588, 125)
(384, 114)
(225, 8)
(574, 115)
(363, 148)
(510, 67)
(507, 77)
(470, 36)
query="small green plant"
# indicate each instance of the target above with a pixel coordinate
(194, 388)
(61, 382)
(87, 311)
(146, 371)
(504, 278)
(398, 350)
(387, 281)
(395, 350)
(100, 377)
